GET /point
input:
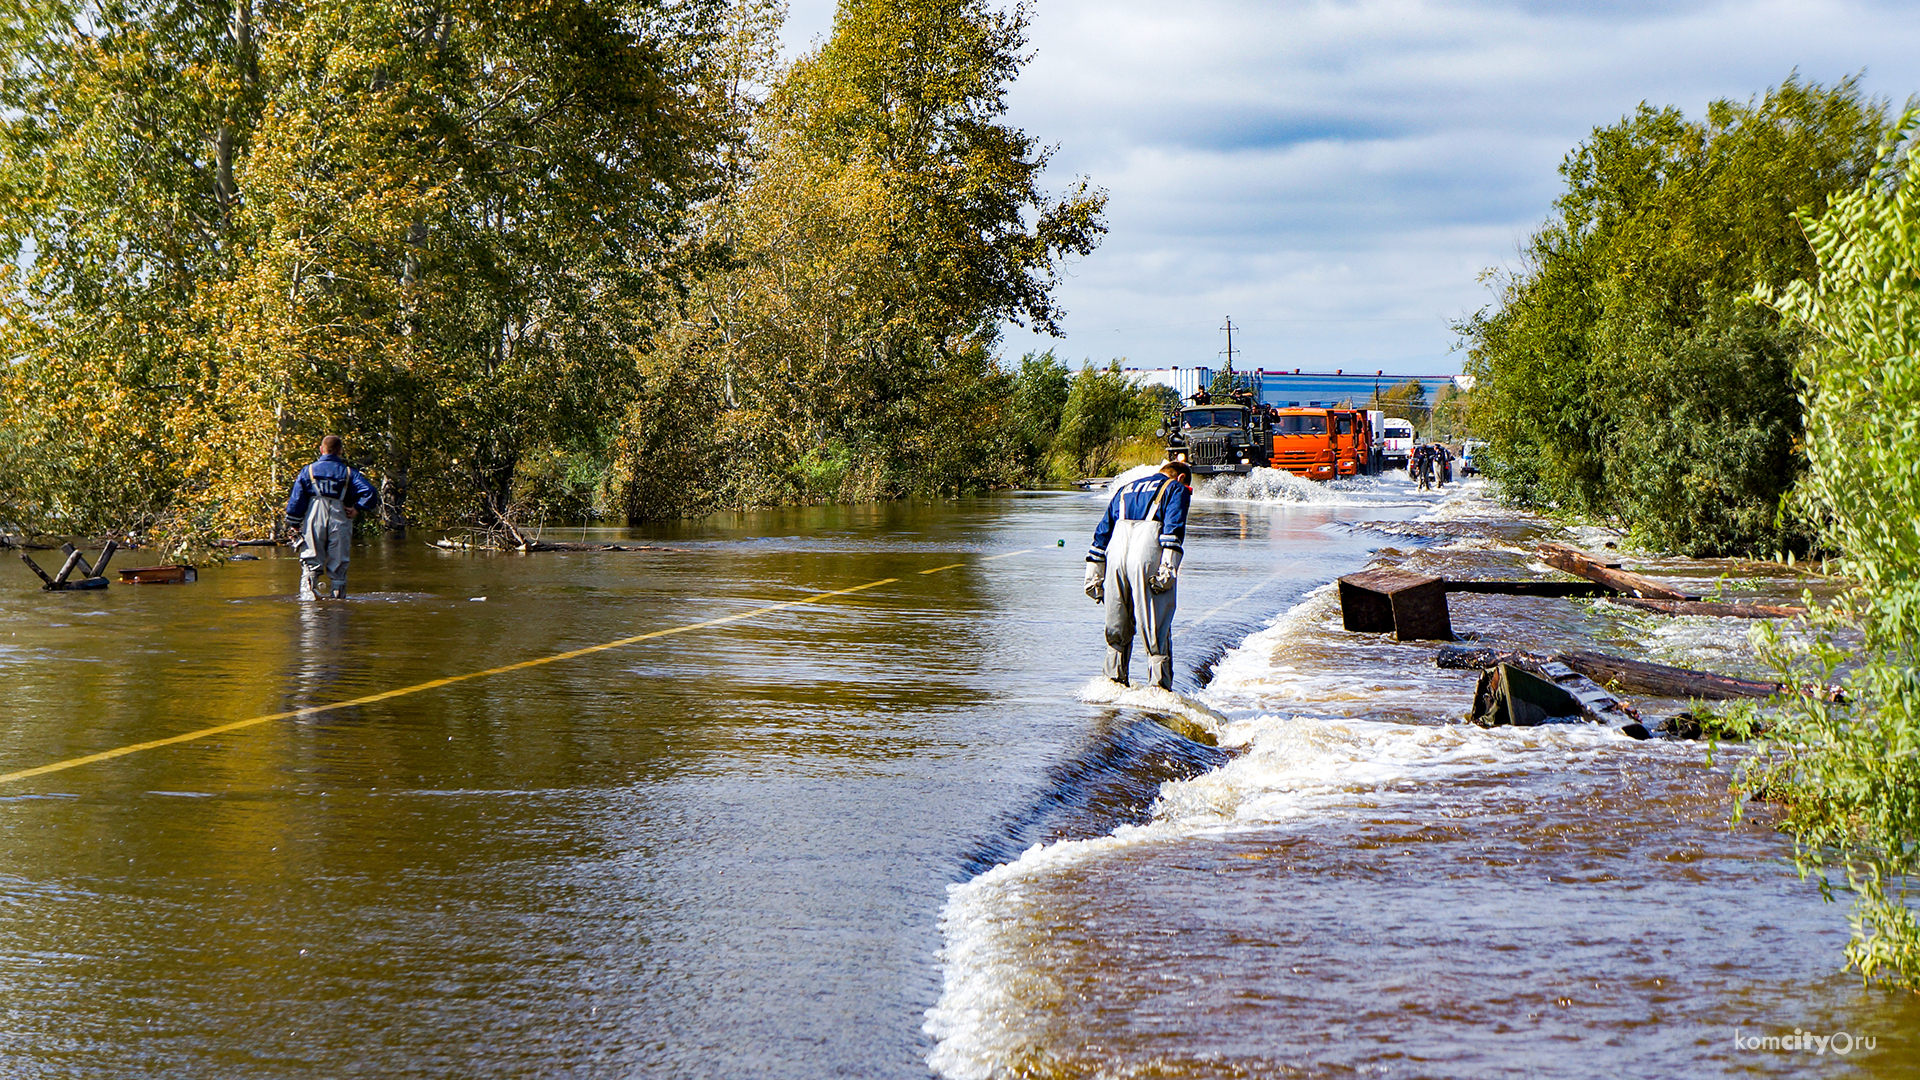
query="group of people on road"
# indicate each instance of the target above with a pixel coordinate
(1430, 465)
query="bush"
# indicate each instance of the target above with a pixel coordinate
(1849, 774)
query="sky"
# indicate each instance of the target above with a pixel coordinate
(1336, 177)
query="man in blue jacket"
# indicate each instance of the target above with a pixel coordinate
(326, 497)
(1134, 560)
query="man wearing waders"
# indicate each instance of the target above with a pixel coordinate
(1134, 560)
(326, 497)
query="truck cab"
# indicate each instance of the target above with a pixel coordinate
(1214, 439)
(1352, 443)
(1304, 442)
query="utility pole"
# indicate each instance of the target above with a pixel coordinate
(1229, 349)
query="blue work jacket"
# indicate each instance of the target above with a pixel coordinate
(1134, 501)
(329, 477)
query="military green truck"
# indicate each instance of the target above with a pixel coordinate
(1214, 439)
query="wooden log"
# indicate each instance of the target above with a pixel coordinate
(168, 574)
(1714, 608)
(1631, 676)
(1659, 680)
(1413, 606)
(73, 559)
(106, 555)
(35, 567)
(1532, 588)
(1579, 563)
(86, 569)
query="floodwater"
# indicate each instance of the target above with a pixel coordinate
(892, 832)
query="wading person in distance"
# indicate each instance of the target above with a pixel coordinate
(326, 497)
(1134, 561)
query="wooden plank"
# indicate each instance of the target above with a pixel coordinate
(170, 574)
(1714, 608)
(1532, 588)
(35, 567)
(1579, 563)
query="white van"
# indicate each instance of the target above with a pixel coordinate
(1467, 467)
(1396, 442)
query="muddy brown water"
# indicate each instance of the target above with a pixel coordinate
(890, 833)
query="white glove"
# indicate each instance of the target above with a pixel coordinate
(1169, 569)
(1096, 584)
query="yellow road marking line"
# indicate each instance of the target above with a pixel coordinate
(989, 558)
(235, 725)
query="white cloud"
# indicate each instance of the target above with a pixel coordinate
(1334, 175)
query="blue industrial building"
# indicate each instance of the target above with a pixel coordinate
(1283, 389)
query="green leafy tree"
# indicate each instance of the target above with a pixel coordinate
(436, 230)
(1407, 400)
(890, 222)
(1039, 403)
(1849, 772)
(1103, 412)
(1620, 376)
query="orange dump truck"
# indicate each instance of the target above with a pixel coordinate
(1324, 444)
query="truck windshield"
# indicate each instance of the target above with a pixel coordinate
(1398, 432)
(1300, 425)
(1211, 418)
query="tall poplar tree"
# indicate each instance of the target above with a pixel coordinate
(891, 222)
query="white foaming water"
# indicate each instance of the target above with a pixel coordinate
(1126, 478)
(1291, 769)
(1100, 690)
(1279, 485)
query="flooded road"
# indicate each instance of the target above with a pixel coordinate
(874, 834)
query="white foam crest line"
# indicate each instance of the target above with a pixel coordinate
(1293, 768)
(1100, 690)
(1468, 501)
(1254, 654)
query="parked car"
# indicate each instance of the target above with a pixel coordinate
(1467, 467)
